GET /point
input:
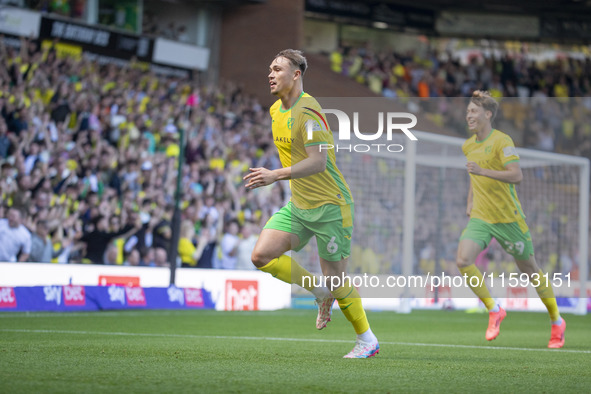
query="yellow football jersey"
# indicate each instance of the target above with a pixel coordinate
(494, 201)
(290, 134)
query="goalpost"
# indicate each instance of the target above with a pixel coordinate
(410, 211)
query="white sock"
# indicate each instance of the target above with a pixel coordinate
(558, 322)
(367, 337)
(320, 292)
(496, 308)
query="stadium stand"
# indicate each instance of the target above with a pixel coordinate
(109, 134)
(91, 148)
(95, 157)
(438, 75)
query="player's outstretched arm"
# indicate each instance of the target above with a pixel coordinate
(313, 164)
(511, 174)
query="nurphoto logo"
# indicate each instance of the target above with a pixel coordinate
(344, 131)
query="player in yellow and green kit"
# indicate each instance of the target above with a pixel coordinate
(495, 211)
(321, 204)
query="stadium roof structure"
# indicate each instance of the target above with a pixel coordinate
(550, 21)
(572, 8)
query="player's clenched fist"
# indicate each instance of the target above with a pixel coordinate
(474, 168)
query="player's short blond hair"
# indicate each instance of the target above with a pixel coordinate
(295, 57)
(482, 98)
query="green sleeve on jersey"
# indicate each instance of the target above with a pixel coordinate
(511, 161)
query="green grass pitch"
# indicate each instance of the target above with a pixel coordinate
(277, 352)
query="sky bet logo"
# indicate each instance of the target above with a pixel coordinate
(318, 123)
(74, 295)
(7, 297)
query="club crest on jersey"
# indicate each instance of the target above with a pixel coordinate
(488, 149)
(290, 122)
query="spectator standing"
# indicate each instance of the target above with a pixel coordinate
(99, 238)
(132, 258)
(229, 246)
(188, 253)
(245, 247)
(15, 239)
(4, 140)
(147, 257)
(160, 257)
(41, 245)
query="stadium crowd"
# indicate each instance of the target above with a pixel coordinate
(89, 164)
(544, 106)
(547, 105)
(88, 171)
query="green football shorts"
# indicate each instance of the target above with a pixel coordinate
(515, 242)
(331, 224)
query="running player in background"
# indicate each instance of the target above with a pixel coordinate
(495, 211)
(321, 203)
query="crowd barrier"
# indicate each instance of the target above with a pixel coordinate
(75, 287)
(81, 287)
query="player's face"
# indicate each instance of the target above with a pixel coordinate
(477, 118)
(14, 218)
(281, 76)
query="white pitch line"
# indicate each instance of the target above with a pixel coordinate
(247, 338)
